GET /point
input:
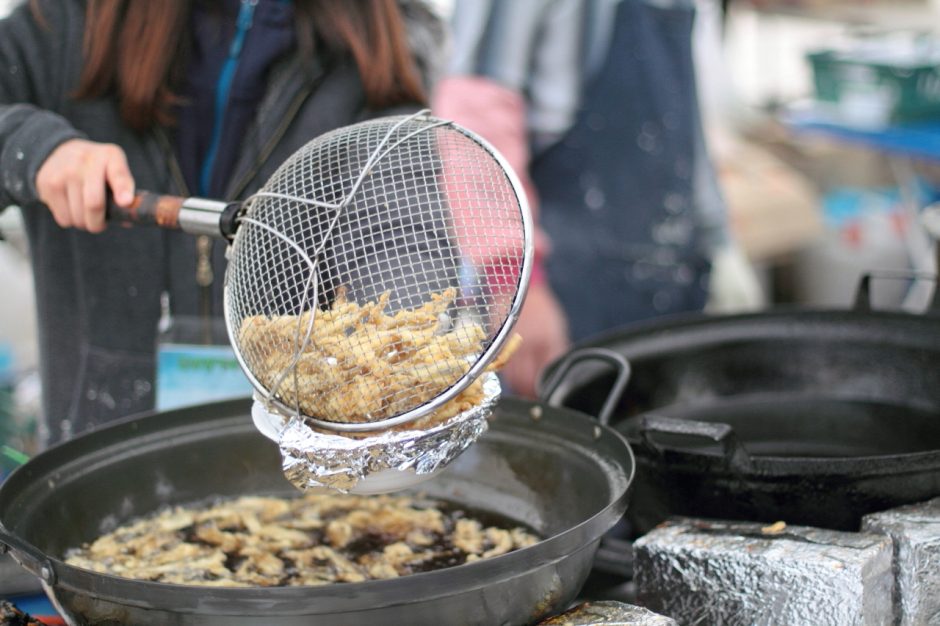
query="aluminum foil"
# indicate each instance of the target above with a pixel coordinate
(915, 530)
(737, 574)
(314, 458)
(609, 613)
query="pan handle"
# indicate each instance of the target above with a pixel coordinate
(734, 454)
(27, 555)
(551, 396)
(147, 209)
(862, 302)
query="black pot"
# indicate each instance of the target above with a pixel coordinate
(811, 417)
(555, 470)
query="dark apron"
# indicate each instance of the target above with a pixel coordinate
(617, 190)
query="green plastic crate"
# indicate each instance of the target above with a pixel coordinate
(913, 88)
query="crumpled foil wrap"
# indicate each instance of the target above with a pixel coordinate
(736, 574)
(915, 530)
(610, 613)
(316, 458)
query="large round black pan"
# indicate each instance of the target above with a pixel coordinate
(811, 417)
(555, 470)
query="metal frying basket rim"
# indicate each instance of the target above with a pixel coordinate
(476, 369)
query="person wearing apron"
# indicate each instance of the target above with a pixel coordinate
(614, 150)
(618, 196)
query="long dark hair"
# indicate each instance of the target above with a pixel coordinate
(126, 44)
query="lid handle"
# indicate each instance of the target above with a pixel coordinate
(733, 453)
(862, 302)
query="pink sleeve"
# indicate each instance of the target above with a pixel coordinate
(498, 114)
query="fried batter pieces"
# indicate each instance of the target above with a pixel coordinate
(316, 539)
(359, 364)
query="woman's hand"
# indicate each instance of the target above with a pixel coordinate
(544, 332)
(74, 178)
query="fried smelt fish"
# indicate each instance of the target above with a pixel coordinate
(316, 539)
(357, 363)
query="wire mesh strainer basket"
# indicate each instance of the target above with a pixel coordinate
(377, 273)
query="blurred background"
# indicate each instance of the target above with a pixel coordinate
(822, 118)
(19, 380)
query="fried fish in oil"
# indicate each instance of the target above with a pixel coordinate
(316, 539)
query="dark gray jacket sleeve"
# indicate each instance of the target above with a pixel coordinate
(33, 86)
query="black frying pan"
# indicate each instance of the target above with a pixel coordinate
(807, 416)
(555, 470)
